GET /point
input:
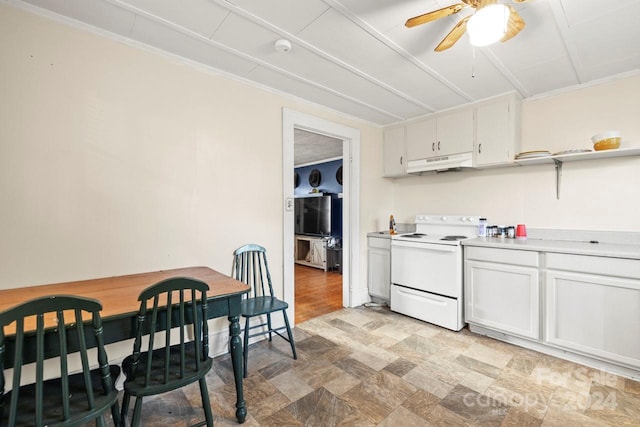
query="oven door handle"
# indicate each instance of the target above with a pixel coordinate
(434, 247)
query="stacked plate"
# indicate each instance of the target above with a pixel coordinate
(576, 151)
(532, 154)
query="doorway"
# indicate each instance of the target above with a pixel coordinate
(318, 185)
(350, 154)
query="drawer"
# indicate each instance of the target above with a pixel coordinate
(379, 242)
(432, 308)
(617, 267)
(502, 256)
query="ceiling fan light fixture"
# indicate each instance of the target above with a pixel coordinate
(488, 24)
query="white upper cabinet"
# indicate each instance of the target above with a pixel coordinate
(394, 156)
(449, 133)
(421, 139)
(455, 132)
(497, 131)
(490, 129)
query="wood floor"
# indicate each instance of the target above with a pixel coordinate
(317, 292)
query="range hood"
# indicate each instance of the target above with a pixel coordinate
(441, 163)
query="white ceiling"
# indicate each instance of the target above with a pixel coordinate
(311, 148)
(357, 57)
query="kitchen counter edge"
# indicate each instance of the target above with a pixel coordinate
(611, 250)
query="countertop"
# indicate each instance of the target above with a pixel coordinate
(613, 250)
(381, 234)
(401, 227)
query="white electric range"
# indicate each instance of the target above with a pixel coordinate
(426, 269)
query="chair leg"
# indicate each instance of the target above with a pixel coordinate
(115, 414)
(245, 350)
(137, 412)
(269, 325)
(206, 405)
(293, 344)
(125, 407)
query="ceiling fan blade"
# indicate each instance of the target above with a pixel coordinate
(454, 35)
(514, 25)
(436, 14)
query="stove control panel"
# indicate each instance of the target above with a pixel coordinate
(448, 219)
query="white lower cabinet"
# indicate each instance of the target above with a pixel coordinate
(585, 308)
(591, 311)
(502, 290)
(379, 267)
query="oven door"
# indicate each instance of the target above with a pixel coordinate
(428, 267)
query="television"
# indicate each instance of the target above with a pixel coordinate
(313, 215)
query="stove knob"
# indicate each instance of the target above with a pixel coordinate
(444, 218)
(464, 219)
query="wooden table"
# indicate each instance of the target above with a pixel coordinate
(119, 298)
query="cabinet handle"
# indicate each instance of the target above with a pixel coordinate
(438, 145)
(401, 159)
(479, 148)
(433, 147)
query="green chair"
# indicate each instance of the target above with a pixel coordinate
(167, 308)
(70, 399)
(250, 266)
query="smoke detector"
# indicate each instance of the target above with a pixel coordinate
(283, 45)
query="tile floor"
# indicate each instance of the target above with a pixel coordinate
(372, 367)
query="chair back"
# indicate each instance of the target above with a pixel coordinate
(170, 306)
(18, 347)
(250, 266)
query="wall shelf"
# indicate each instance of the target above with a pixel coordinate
(559, 159)
(573, 157)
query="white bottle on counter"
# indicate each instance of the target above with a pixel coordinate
(482, 227)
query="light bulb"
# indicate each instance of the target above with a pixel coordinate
(488, 25)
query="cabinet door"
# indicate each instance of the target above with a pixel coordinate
(422, 140)
(503, 297)
(497, 132)
(594, 314)
(379, 272)
(492, 133)
(318, 253)
(455, 132)
(394, 152)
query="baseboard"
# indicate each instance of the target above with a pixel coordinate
(559, 353)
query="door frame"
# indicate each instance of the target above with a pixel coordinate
(291, 120)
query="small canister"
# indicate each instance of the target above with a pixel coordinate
(502, 231)
(511, 232)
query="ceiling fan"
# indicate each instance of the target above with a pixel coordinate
(508, 23)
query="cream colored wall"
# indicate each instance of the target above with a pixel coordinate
(114, 160)
(595, 194)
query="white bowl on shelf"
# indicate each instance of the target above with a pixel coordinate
(606, 140)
